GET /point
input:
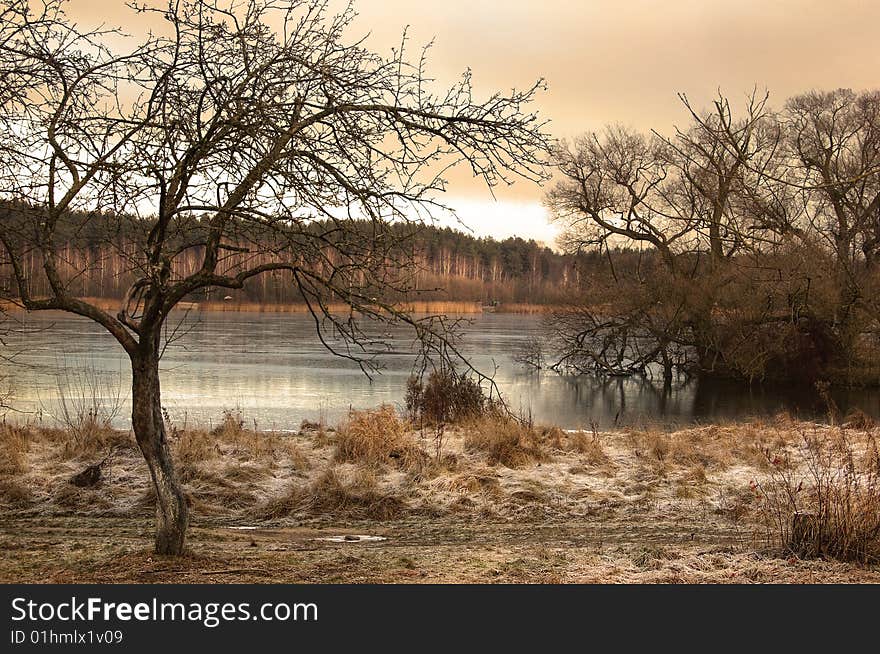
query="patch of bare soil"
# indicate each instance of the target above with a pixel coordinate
(622, 507)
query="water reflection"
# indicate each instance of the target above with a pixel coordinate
(273, 368)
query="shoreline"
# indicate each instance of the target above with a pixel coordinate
(418, 306)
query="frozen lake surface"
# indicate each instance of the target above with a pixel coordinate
(273, 368)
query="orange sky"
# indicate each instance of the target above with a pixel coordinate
(615, 61)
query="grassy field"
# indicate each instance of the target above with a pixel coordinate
(489, 501)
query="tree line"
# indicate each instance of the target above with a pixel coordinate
(97, 255)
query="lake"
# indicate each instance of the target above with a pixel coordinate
(273, 368)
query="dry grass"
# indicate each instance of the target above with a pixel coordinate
(94, 439)
(823, 499)
(713, 447)
(675, 486)
(859, 420)
(378, 438)
(223, 470)
(14, 494)
(231, 467)
(230, 450)
(340, 491)
(589, 446)
(419, 306)
(14, 445)
(474, 482)
(431, 307)
(505, 441)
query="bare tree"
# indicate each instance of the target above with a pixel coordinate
(709, 162)
(255, 133)
(834, 139)
(611, 192)
(822, 189)
(748, 242)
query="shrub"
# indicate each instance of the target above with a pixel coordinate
(445, 398)
(830, 505)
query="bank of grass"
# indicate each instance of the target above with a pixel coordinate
(377, 468)
(14, 446)
(716, 447)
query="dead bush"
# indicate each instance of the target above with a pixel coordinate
(826, 504)
(377, 438)
(445, 398)
(505, 441)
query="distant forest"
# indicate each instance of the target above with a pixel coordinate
(448, 265)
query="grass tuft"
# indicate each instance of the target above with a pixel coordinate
(378, 438)
(587, 445)
(505, 441)
(340, 492)
(14, 446)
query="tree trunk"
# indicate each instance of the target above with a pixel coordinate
(667, 368)
(172, 512)
(716, 246)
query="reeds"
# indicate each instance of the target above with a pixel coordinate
(824, 500)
